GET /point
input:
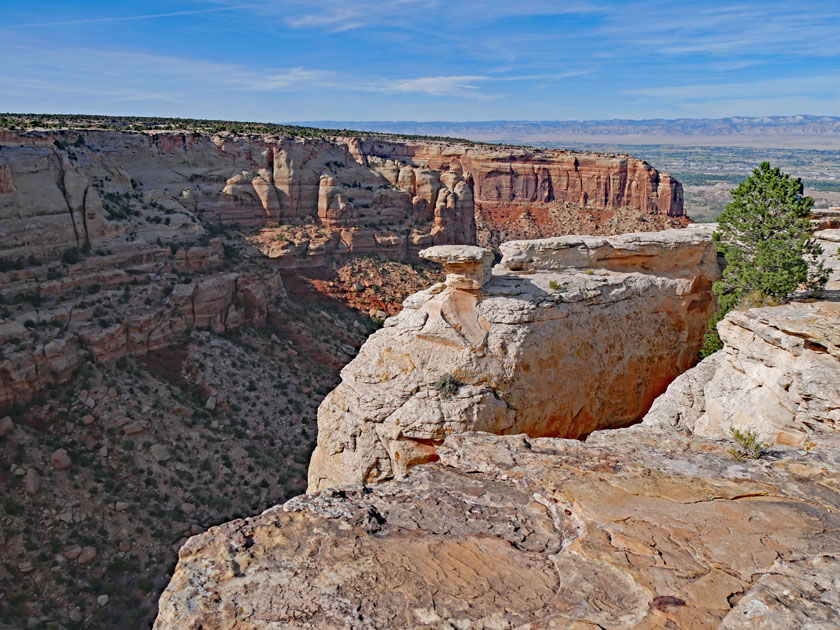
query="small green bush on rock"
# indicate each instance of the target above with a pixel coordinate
(447, 385)
(746, 444)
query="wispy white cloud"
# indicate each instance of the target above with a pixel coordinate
(811, 85)
(279, 79)
(342, 15)
(117, 75)
(690, 28)
(131, 18)
(464, 85)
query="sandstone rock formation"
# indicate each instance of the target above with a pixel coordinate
(658, 525)
(57, 192)
(778, 375)
(568, 336)
(87, 209)
(131, 302)
(529, 193)
(66, 188)
(635, 528)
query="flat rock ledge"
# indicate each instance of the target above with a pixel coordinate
(651, 252)
(635, 528)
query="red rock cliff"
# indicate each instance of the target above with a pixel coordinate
(528, 193)
(369, 196)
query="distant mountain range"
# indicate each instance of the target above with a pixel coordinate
(814, 132)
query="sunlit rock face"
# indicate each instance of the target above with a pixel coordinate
(388, 197)
(526, 193)
(52, 191)
(635, 528)
(566, 336)
(778, 375)
(657, 525)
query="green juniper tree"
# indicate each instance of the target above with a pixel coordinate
(766, 236)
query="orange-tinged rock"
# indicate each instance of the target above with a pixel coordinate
(509, 531)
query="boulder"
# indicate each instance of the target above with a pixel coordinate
(87, 555)
(60, 459)
(559, 351)
(467, 267)
(778, 375)
(33, 482)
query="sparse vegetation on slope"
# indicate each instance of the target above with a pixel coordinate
(161, 447)
(22, 122)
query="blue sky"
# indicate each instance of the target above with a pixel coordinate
(421, 60)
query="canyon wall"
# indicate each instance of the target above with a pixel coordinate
(105, 307)
(62, 189)
(523, 193)
(117, 242)
(566, 336)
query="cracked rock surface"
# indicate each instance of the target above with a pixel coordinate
(635, 528)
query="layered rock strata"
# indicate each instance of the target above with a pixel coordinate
(105, 307)
(635, 528)
(566, 336)
(530, 193)
(503, 175)
(778, 375)
(62, 189)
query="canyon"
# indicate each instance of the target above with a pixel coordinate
(175, 304)
(669, 523)
(149, 207)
